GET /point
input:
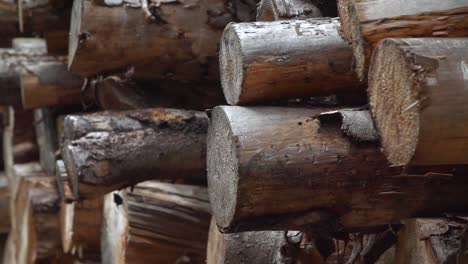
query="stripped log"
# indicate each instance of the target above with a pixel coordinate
(369, 21)
(432, 240)
(80, 225)
(281, 168)
(257, 64)
(271, 10)
(187, 37)
(157, 222)
(35, 210)
(46, 84)
(261, 247)
(111, 150)
(419, 100)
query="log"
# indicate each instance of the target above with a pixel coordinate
(418, 97)
(272, 10)
(36, 208)
(13, 64)
(5, 224)
(46, 84)
(431, 240)
(76, 221)
(45, 125)
(256, 63)
(111, 150)
(38, 17)
(369, 21)
(260, 247)
(157, 222)
(285, 168)
(105, 38)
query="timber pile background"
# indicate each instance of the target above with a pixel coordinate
(234, 131)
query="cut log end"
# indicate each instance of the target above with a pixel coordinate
(75, 31)
(353, 26)
(344, 19)
(231, 65)
(222, 168)
(393, 94)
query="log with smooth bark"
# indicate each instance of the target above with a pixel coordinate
(172, 40)
(263, 61)
(369, 21)
(157, 222)
(281, 168)
(261, 247)
(46, 84)
(419, 100)
(111, 150)
(271, 10)
(432, 240)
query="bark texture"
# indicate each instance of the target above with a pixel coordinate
(370, 21)
(276, 167)
(418, 97)
(111, 150)
(172, 39)
(272, 10)
(263, 61)
(165, 223)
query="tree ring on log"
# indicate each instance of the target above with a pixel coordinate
(223, 177)
(394, 97)
(231, 65)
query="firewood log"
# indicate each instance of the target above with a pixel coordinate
(5, 225)
(257, 64)
(160, 39)
(418, 96)
(432, 240)
(111, 150)
(369, 21)
(80, 225)
(286, 168)
(272, 10)
(157, 223)
(260, 247)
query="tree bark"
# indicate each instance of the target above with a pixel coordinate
(431, 240)
(174, 40)
(46, 84)
(157, 222)
(46, 130)
(370, 21)
(5, 220)
(286, 168)
(418, 97)
(111, 150)
(261, 247)
(257, 64)
(272, 10)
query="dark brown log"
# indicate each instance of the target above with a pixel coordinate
(260, 247)
(46, 84)
(168, 40)
(157, 223)
(276, 167)
(271, 10)
(431, 240)
(34, 18)
(263, 61)
(419, 100)
(369, 21)
(111, 150)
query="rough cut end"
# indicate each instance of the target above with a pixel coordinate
(231, 66)
(354, 31)
(222, 168)
(344, 19)
(114, 230)
(393, 100)
(75, 30)
(67, 212)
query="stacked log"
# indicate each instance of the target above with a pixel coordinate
(157, 222)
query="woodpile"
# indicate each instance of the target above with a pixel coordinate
(233, 131)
